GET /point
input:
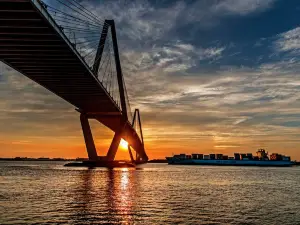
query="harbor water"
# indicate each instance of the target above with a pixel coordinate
(49, 193)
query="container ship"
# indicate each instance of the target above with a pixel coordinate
(239, 159)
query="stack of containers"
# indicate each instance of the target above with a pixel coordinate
(212, 156)
(200, 156)
(243, 156)
(206, 157)
(237, 156)
(194, 156)
(249, 156)
(219, 156)
(225, 157)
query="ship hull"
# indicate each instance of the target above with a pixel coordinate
(212, 162)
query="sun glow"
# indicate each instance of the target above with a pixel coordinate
(124, 144)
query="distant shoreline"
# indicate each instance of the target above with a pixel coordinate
(36, 159)
(78, 159)
(63, 159)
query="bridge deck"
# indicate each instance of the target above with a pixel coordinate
(34, 45)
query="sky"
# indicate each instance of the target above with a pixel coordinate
(209, 76)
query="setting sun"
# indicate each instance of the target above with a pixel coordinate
(124, 144)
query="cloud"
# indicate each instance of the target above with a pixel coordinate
(139, 20)
(210, 13)
(170, 57)
(243, 7)
(288, 41)
(144, 21)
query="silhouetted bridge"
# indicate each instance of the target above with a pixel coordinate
(73, 53)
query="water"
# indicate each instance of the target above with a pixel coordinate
(47, 192)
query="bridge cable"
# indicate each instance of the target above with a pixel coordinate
(88, 12)
(84, 15)
(82, 29)
(71, 20)
(102, 63)
(53, 9)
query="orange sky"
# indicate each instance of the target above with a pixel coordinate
(158, 145)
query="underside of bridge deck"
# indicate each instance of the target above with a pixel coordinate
(32, 43)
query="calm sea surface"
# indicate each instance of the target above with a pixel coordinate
(47, 192)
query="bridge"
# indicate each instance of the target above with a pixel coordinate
(73, 53)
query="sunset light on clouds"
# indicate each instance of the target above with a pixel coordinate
(207, 76)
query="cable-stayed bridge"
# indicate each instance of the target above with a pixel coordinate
(70, 51)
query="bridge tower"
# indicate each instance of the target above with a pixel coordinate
(123, 122)
(60, 46)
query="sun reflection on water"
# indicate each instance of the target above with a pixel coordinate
(124, 195)
(124, 179)
(90, 195)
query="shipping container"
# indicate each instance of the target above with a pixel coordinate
(249, 156)
(286, 158)
(194, 156)
(243, 156)
(219, 156)
(182, 156)
(206, 157)
(212, 156)
(237, 156)
(200, 156)
(225, 157)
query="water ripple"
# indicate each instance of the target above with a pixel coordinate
(48, 193)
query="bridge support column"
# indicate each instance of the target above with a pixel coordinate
(88, 138)
(130, 154)
(112, 151)
(137, 158)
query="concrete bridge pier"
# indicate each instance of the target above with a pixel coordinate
(88, 138)
(112, 151)
(89, 141)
